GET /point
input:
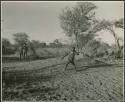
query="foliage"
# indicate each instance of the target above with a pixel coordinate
(119, 23)
(7, 47)
(50, 52)
(83, 39)
(20, 38)
(77, 20)
(35, 43)
(101, 51)
(91, 47)
(5, 42)
(57, 43)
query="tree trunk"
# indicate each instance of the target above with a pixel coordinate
(116, 38)
(76, 36)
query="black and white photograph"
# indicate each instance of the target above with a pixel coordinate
(62, 51)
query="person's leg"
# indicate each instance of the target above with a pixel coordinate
(73, 63)
(23, 55)
(20, 55)
(67, 65)
(26, 53)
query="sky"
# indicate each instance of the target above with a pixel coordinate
(40, 19)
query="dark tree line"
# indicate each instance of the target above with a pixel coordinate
(20, 39)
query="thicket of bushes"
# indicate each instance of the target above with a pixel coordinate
(8, 50)
(92, 48)
(48, 52)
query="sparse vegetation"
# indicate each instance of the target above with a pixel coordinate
(41, 75)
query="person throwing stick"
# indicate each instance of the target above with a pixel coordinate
(71, 58)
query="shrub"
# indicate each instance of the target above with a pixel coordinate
(8, 50)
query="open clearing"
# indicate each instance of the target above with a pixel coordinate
(47, 80)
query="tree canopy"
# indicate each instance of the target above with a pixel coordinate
(5, 42)
(77, 20)
(21, 38)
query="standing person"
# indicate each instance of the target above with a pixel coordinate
(23, 51)
(71, 58)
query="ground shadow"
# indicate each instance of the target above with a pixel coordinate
(85, 67)
(18, 78)
(17, 59)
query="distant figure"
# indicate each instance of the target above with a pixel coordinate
(71, 58)
(23, 51)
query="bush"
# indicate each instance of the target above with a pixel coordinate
(50, 52)
(8, 51)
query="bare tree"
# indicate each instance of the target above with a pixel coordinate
(77, 20)
(108, 25)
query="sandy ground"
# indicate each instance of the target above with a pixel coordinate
(47, 80)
